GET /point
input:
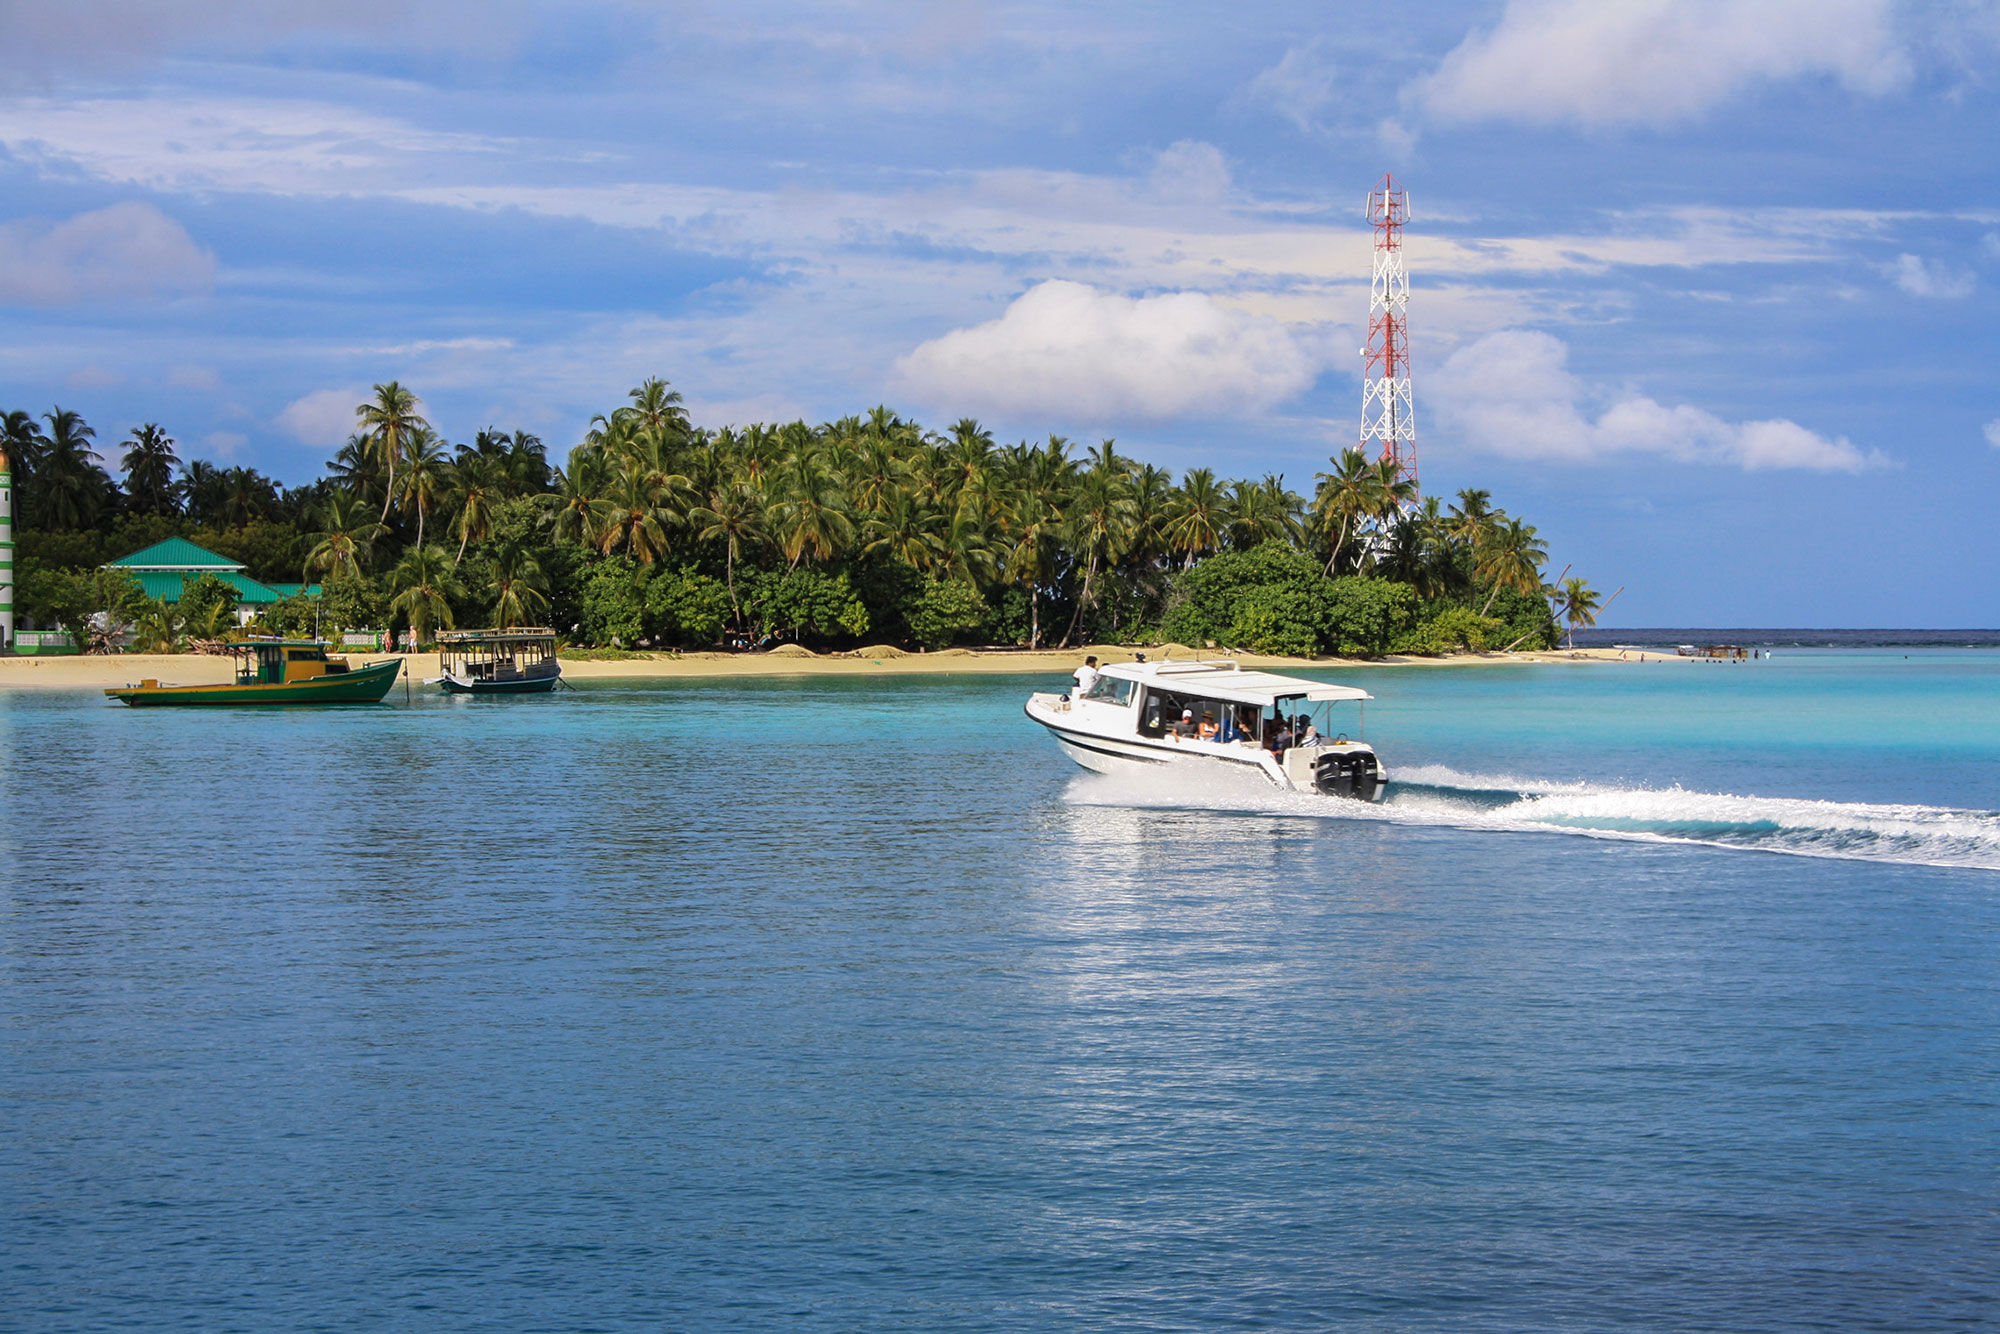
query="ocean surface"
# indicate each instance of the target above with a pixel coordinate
(1660, 997)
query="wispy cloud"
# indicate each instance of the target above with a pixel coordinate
(1301, 88)
(1512, 394)
(1657, 62)
(1917, 276)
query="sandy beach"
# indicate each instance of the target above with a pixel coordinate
(78, 673)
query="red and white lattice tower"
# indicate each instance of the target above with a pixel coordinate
(1386, 411)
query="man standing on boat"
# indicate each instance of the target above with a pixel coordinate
(1086, 675)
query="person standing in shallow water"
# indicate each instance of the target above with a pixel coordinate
(1086, 675)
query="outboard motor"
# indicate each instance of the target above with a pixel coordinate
(1342, 772)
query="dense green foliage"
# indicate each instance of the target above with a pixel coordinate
(655, 533)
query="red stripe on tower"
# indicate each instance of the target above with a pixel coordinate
(1387, 413)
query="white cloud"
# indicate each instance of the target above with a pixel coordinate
(1512, 394)
(1191, 171)
(1990, 243)
(1657, 62)
(1076, 353)
(224, 445)
(1993, 433)
(1300, 87)
(1923, 277)
(324, 418)
(125, 252)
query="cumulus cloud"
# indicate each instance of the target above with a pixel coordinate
(1512, 394)
(1993, 433)
(1657, 62)
(1067, 350)
(126, 252)
(1921, 277)
(324, 418)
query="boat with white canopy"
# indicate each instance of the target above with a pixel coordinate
(1198, 714)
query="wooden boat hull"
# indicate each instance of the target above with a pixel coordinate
(363, 685)
(520, 685)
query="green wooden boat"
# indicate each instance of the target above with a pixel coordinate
(276, 671)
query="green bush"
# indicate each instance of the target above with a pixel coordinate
(804, 604)
(207, 607)
(943, 611)
(1452, 630)
(684, 606)
(614, 602)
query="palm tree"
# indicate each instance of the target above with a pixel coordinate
(424, 466)
(479, 483)
(1511, 558)
(629, 515)
(355, 468)
(21, 441)
(1264, 512)
(812, 516)
(149, 470)
(342, 548)
(1577, 603)
(734, 515)
(391, 421)
(906, 529)
(422, 583)
(202, 488)
(519, 585)
(1346, 496)
(1102, 520)
(246, 495)
(70, 488)
(1197, 516)
(577, 488)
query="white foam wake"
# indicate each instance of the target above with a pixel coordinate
(1436, 795)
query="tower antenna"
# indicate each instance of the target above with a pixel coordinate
(1387, 413)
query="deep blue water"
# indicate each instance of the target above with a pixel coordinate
(1661, 997)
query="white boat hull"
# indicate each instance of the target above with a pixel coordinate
(1096, 750)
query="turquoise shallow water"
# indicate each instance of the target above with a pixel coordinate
(1657, 997)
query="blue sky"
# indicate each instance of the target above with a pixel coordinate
(1706, 290)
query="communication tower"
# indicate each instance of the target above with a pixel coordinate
(1386, 411)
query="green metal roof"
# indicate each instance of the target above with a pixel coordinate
(166, 585)
(177, 553)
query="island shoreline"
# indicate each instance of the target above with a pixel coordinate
(99, 671)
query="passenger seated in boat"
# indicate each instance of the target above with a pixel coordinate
(1185, 727)
(1282, 740)
(1206, 731)
(1307, 734)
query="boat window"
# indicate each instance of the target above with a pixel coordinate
(1110, 690)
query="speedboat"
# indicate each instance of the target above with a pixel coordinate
(1197, 715)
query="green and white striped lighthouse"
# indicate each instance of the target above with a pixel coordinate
(6, 553)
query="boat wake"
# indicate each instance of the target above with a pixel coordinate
(1439, 796)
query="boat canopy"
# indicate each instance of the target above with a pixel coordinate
(1227, 681)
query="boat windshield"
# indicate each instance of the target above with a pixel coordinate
(1110, 690)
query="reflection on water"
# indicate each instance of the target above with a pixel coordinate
(741, 1005)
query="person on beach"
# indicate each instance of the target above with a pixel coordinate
(1086, 675)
